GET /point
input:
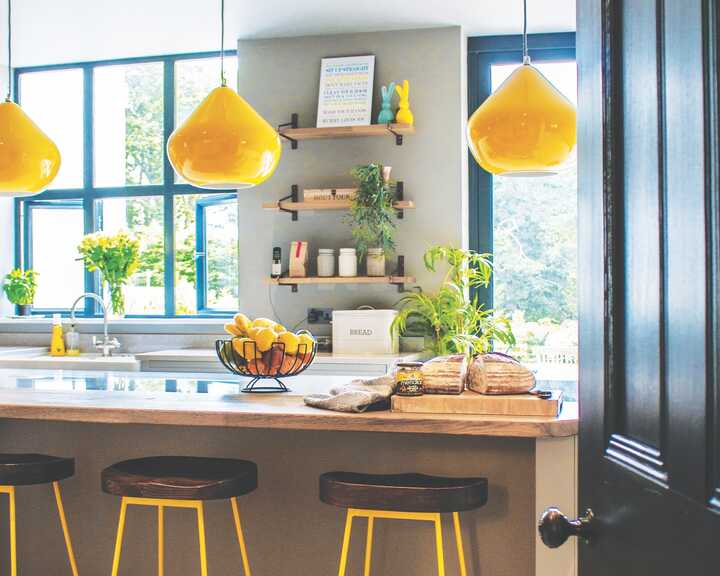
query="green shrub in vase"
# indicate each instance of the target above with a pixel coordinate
(116, 257)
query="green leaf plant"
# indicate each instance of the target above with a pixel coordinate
(456, 322)
(20, 286)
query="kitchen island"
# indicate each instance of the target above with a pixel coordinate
(103, 417)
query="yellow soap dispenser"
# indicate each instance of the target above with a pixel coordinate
(57, 342)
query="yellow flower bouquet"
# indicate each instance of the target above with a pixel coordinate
(117, 257)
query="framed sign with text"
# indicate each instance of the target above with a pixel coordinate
(346, 91)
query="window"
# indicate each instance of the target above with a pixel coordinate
(111, 121)
(530, 224)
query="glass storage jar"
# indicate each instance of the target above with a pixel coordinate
(348, 262)
(375, 262)
(326, 262)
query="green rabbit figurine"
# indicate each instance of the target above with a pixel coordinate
(386, 114)
(404, 115)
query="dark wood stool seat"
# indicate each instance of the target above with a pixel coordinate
(181, 478)
(27, 469)
(403, 492)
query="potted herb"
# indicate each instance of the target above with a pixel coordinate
(456, 322)
(20, 287)
(117, 257)
(372, 216)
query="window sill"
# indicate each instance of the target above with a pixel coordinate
(124, 326)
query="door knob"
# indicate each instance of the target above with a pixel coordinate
(555, 528)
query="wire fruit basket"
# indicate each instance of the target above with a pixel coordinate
(242, 357)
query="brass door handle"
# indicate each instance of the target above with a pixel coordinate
(555, 528)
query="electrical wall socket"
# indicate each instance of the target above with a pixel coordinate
(319, 315)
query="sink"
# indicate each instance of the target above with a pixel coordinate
(119, 362)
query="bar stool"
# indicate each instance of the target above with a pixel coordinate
(402, 497)
(30, 469)
(179, 482)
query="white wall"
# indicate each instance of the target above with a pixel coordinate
(281, 76)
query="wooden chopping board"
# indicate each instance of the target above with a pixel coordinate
(470, 402)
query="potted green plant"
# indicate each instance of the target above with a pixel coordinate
(372, 216)
(455, 321)
(117, 257)
(20, 287)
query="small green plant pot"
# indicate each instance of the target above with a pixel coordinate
(24, 309)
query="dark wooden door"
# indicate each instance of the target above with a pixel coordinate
(648, 271)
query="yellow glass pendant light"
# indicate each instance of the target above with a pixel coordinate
(224, 144)
(29, 160)
(526, 127)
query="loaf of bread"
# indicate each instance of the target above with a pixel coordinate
(445, 374)
(497, 373)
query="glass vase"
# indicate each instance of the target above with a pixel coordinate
(116, 306)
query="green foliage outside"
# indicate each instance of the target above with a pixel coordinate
(455, 321)
(20, 286)
(372, 215)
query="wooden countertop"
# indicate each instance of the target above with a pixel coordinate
(214, 400)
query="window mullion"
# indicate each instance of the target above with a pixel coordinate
(168, 181)
(92, 283)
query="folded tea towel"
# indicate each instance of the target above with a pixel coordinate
(357, 396)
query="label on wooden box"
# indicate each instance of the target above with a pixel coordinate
(470, 402)
(320, 194)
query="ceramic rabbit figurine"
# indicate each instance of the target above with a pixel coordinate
(404, 115)
(386, 114)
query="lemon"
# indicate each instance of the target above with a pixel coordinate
(233, 329)
(279, 328)
(264, 339)
(290, 341)
(252, 331)
(241, 321)
(263, 323)
(306, 343)
(244, 347)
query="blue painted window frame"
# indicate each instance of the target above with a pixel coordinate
(483, 53)
(89, 193)
(201, 251)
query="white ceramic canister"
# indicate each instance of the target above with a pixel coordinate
(375, 262)
(348, 262)
(326, 262)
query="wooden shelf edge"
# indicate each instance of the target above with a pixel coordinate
(347, 131)
(328, 205)
(287, 281)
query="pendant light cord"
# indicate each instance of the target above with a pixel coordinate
(526, 54)
(223, 80)
(9, 86)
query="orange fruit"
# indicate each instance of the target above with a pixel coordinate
(257, 367)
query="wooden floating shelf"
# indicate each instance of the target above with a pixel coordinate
(294, 134)
(327, 205)
(399, 281)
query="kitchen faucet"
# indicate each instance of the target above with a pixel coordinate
(107, 345)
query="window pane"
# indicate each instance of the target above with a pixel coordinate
(195, 79)
(142, 216)
(535, 254)
(128, 124)
(54, 100)
(185, 294)
(56, 232)
(221, 246)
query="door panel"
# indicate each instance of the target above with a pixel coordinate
(648, 210)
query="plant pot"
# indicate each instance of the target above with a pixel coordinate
(24, 309)
(375, 262)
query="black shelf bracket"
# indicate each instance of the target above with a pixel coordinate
(400, 271)
(398, 136)
(399, 196)
(292, 197)
(294, 121)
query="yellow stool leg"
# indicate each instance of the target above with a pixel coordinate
(119, 538)
(13, 535)
(458, 539)
(240, 537)
(161, 540)
(66, 532)
(201, 538)
(368, 545)
(439, 545)
(346, 543)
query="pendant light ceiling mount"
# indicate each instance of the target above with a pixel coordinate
(29, 159)
(526, 127)
(224, 144)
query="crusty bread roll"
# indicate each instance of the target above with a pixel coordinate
(498, 373)
(445, 374)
